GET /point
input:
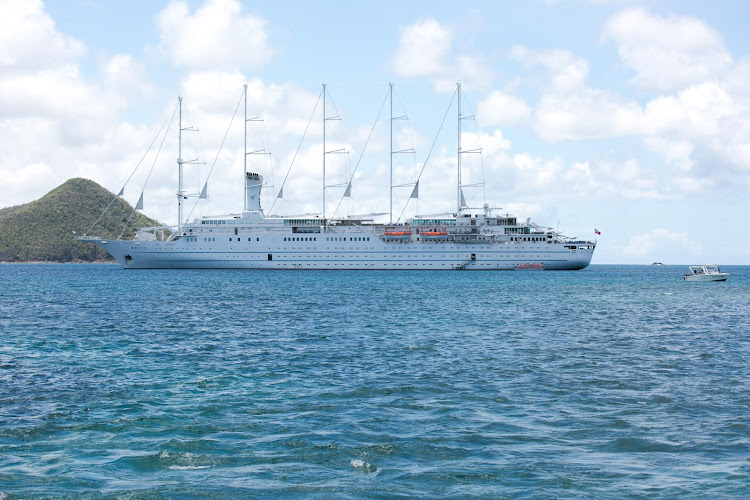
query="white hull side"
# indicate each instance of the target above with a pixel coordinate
(354, 256)
(706, 277)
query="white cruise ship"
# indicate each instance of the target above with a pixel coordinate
(468, 239)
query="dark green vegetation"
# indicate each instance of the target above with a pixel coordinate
(43, 229)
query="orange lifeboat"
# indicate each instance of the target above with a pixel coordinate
(434, 233)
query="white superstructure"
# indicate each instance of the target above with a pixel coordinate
(467, 239)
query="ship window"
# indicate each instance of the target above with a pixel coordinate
(230, 239)
(248, 239)
(257, 239)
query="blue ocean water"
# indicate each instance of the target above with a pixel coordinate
(611, 382)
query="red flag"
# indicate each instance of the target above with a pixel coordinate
(597, 231)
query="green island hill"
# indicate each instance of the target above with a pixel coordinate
(43, 230)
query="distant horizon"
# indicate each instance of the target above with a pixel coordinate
(627, 118)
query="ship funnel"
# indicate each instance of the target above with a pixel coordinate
(253, 185)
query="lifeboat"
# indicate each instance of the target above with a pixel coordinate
(434, 235)
(397, 235)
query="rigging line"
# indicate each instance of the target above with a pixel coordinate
(219, 152)
(403, 108)
(265, 141)
(472, 110)
(298, 148)
(132, 173)
(481, 156)
(377, 118)
(340, 135)
(200, 141)
(166, 132)
(261, 133)
(431, 148)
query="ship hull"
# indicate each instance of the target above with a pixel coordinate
(322, 255)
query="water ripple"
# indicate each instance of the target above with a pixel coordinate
(610, 382)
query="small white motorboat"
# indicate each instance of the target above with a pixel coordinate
(706, 273)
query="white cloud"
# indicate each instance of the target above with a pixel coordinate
(216, 36)
(29, 40)
(56, 123)
(499, 108)
(663, 242)
(675, 151)
(425, 51)
(584, 115)
(703, 115)
(738, 78)
(53, 93)
(39, 76)
(564, 70)
(124, 72)
(491, 144)
(666, 53)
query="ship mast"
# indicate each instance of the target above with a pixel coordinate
(179, 171)
(261, 151)
(461, 202)
(324, 152)
(390, 210)
(244, 156)
(180, 162)
(458, 155)
(408, 151)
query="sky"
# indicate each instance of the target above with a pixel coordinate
(628, 117)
